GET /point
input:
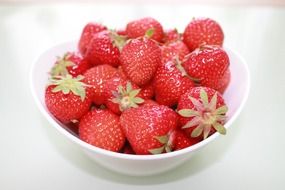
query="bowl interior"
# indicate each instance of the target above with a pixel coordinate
(235, 95)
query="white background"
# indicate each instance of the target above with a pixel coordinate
(35, 156)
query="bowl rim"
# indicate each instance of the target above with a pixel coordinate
(130, 156)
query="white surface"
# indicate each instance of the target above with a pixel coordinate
(235, 96)
(35, 156)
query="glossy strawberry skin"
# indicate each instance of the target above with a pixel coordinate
(121, 73)
(149, 102)
(169, 84)
(70, 63)
(181, 140)
(203, 31)
(147, 91)
(172, 50)
(186, 103)
(141, 125)
(138, 28)
(101, 50)
(140, 59)
(101, 128)
(171, 35)
(87, 34)
(96, 77)
(224, 81)
(111, 86)
(67, 107)
(80, 65)
(207, 64)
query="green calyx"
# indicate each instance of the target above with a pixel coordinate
(149, 33)
(205, 115)
(118, 40)
(60, 68)
(127, 97)
(178, 65)
(166, 141)
(67, 84)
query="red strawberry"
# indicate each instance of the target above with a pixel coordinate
(138, 28)
(224, 81)
(170, 82)
(203, 31)
(149, 102)
(87, 34)
(172, 50)
(121, 73)
(122, 32)
(68, 98)
(180, 140)
(202, 111)
(96, 77)
(70, 63)
(147, 91)
(147, 128)
(121, 94)
(171, 35)
(104, 48)
(101, 128)
(208, 65)
(140, 59)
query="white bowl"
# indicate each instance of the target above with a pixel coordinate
(235, 97)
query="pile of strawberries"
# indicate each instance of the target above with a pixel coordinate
(143, 89)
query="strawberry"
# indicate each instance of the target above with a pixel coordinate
(121, 73)
(202, 111)
(101, 128)
(171, 35)
(96, 77)
(149, 102)
(68, 98)
(121, 94)
(140, 59)
(170, 82)
(147, 128)
(224, 81)
(87, 34)
(203, 31)
(180, 140)
(121, 32)
(138, 28)
(147, 91)
(172, 50)
(104, 48)
(71, 63)
(208, 65)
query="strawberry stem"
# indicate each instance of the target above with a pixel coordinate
(127, 97)
(60, 68)
(178, 65)
(67, 84)
(205, 115)
(118, 40)
(149, 33)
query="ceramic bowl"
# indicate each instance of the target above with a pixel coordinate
(235, 97)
